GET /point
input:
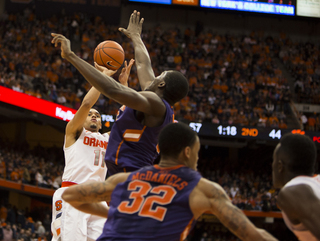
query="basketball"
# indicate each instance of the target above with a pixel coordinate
(109, 54)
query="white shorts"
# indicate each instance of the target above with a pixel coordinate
(70, 224)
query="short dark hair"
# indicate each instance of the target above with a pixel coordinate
(300, 151)
(177, 86)
(174, 138)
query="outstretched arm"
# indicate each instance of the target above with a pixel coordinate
(141, 55)
(216, 201)
(75, 125)
(149, 103)
(300, 204)
(87, 197)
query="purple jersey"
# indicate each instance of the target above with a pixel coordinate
(132, 144)
(152, 204)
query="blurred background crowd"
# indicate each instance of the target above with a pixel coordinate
(233, 79)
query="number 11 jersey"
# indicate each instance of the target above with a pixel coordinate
(84, 159)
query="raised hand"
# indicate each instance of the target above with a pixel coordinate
(125, 72)
(65, 44)
(104, 70)
(135, 25)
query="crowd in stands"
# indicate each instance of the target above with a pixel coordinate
(309, 121)
(19, 225)
(42, 167)
(302, 60)
(248, 181)
(233, 79)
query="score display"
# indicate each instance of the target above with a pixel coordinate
(247, 132)
(279, 7)
(250, 6)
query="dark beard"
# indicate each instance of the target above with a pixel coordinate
(93, 126)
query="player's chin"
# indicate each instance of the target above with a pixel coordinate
(93, 126)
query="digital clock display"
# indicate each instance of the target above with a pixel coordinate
(227, 130)
(248, 132)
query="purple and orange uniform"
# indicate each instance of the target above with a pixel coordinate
(152, 204)
(131, 144)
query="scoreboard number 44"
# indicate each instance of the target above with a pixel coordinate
(275, 134)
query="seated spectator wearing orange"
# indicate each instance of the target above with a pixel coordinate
(282, 125)
(273, 118)
(311, 123)
(15, 176)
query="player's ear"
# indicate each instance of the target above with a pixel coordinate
(162, 84)
(187, 152)
(280, 166)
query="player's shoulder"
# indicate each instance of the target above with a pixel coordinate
(290, 193)
(209, 188)
(106, 135)
(150, 95)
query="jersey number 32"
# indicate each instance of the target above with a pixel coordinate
(144, 197)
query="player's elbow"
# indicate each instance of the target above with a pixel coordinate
(67, 196)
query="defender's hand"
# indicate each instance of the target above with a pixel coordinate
(65, 44)
(125, 72)
(104, 70)
(135, 25)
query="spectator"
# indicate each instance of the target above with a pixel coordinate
(311, 123)
(40, 230)
(21, 220)
(3, 212)
(215, 120)
(26, 176)
(39, 179)
(30, 224)
(1, 231)
(303, 120)
(57, 182)
(47, 222)
(11, 218)
(7, 232)
(15, 176)
(234, 189)
(282, 124)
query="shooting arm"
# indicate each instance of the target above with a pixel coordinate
(300, 203)
(76, 124)
(147, 102)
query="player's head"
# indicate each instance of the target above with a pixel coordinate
(93, 121)
(171, 85)
(294, 155)
(177, 141)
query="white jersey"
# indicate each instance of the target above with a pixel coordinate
(84, 161)
(85, 158)
(300, 230)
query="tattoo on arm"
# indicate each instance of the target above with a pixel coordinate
(231, 216)
(100, 191)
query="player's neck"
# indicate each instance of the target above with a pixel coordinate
(169, 162)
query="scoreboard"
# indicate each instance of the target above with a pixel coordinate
(279, 7)
(304, 8)
(248, 132)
